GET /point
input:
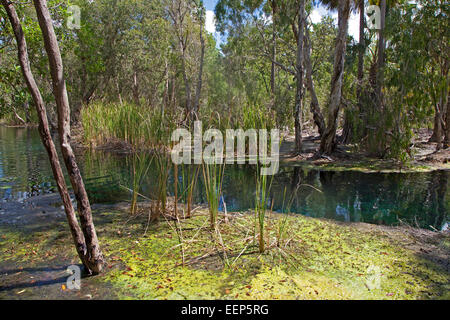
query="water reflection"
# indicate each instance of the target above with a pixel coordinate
(421, 199)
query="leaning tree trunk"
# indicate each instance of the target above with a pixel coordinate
(45, 134)
(328, 142)
(299, 78)
(438, 127)
(441, 122)
(95, 258)
(314, 106)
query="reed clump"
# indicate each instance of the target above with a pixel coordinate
(141, 127)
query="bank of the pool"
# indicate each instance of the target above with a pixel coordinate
(315, 259)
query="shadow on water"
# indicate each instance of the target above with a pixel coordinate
(23, 285)
(418, 199)
(39, 272)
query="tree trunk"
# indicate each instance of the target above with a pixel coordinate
(328, 142)
(45, 134)
(95, 259)
(381, 49)
(314, 106)
(198, 90)
(347, 129)
(438, 132)
(16, 115)
(447, 124)
(187, 87)
(27, 111)
(135, 89)
(119, 95)
(165, 98)
(436, 126)
(299, 78)
(86, 98)
(437, 129)
(274, 50)
(362, 49)
(360, 78)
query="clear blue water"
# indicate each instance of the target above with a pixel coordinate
(419, 199)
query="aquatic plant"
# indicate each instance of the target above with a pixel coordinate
(261, 201)
(140, 165)
(213, 178)
(285, 210)
(163, 164)
(256, 117)
(189, 176)
(141, 127)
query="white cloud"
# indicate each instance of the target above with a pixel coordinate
(210, 21)
(353, 26)
(267, 18)
(315, 16)
(210, 26)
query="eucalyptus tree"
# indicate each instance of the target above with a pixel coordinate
(381, 55)
(379, 71)
(85, 238)
(319, 42)
(328, 141)
(95, 260)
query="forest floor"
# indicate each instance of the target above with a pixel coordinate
(314, 259)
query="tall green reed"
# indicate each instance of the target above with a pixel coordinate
(285, 210)
(163, 164)
(140, 126)
(140, 166)
(213, 178)
(189, 177)
(263, 186)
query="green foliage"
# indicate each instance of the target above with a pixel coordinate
(130, 80)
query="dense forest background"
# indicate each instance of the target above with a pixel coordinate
(136, 69)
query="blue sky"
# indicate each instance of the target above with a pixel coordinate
(210, 4)
(316, 16)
